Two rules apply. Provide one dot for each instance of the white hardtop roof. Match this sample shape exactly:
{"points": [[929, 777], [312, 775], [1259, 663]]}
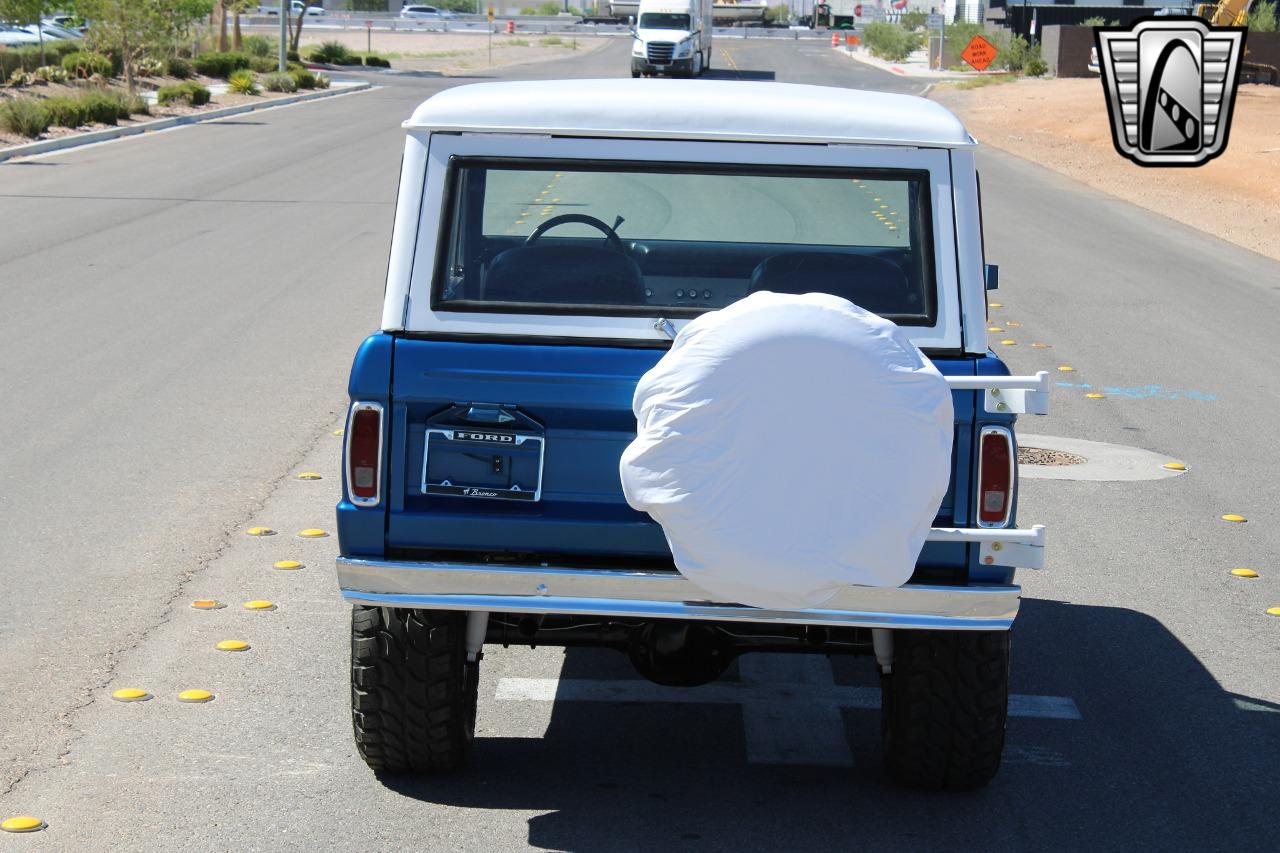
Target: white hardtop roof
{"points": [[693, 109]]}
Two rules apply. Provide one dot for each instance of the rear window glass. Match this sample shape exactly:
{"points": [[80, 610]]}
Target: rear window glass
{"points": [[638, 239]]}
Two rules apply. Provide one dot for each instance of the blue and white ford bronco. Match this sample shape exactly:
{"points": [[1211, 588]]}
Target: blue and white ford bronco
{"points": [[550, 241]]}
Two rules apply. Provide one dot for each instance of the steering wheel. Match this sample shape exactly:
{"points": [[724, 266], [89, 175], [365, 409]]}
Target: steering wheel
{"points": [[611, 237]]}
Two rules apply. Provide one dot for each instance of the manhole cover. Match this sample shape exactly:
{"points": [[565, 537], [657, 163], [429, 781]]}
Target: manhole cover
{"points": [[1040, 456]]}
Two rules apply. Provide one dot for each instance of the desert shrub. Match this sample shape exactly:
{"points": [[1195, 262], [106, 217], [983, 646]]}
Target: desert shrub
{"points": [[176, 66], [104, 107], [1263, 18], [1014, 57], [890, 41], [304, 78], [376, 61], [51, 74], [21, 78], [9, 62], [331, 53], [24, 116], [263, 64], [149, 67], [322, 81], [83, 65], [59, 49], [280, 83], [28, 58], [243, 82], [18, 59], [1034, 64], [65, 112], [190, 93], [913, 20], [138, 106], [259, 46], [293, 56], [222, 64]]}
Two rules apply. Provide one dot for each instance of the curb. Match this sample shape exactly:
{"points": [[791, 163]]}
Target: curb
{"points": [[94, 136]]}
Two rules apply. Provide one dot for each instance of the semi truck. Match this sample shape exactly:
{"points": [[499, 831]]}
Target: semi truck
{"points": [[671, 37]]}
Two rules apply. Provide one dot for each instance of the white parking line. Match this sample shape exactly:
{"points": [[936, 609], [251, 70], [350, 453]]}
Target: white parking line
{"points": [[791, 707]]}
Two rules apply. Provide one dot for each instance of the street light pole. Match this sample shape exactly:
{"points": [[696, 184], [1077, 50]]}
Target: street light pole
{"points": [[284, 36]]}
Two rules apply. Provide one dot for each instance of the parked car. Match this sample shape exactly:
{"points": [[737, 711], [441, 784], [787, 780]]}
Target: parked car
{"points": [[52, 31], [426, 13], [482, 500], [296, 7], [11, 36], [68, 22]]}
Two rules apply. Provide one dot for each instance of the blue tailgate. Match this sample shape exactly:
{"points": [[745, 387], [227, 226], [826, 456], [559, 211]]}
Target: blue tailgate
{"points": [[580, 398]]}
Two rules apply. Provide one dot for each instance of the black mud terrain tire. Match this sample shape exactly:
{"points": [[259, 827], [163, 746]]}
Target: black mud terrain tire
{"points": [[413, 693], [943, 708]]}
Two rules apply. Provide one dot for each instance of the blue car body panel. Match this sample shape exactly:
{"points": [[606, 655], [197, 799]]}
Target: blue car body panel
{"points": [[581, 396]]}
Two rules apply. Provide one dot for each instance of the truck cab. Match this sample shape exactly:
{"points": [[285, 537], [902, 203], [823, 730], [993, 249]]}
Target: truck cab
{"points": [[671, 37], [551, 240]]}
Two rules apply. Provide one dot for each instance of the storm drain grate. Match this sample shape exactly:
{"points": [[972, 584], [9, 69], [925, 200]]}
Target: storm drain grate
{"points": [[1040, 456]]}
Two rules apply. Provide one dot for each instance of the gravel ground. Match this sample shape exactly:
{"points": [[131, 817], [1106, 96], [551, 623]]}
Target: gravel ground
{"points": [[1062, 124], [48, 90]]}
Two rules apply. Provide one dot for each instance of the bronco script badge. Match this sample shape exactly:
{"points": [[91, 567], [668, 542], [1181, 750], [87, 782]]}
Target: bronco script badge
{"points": [[1170, 86]]}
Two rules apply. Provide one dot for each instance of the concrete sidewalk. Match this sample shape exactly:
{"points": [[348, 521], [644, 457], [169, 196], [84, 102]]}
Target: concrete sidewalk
{"points": [[915, 65]]}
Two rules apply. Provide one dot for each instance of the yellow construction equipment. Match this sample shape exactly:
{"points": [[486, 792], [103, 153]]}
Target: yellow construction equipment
{"points": [[1235, 13]]}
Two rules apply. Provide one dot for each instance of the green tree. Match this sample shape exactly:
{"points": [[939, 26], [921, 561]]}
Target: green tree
{"points": [[1263, 18], [133, 28], [25, 12], [913, 20]]}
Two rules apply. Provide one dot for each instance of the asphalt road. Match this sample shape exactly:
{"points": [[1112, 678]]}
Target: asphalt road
{"points": [[177, 315]]}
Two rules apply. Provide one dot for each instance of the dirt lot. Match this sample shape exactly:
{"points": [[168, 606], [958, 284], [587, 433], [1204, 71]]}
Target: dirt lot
{"points": [[457, 53], [1062, 124]]}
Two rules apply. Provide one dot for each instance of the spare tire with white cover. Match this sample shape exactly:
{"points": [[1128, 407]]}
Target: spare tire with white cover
{"points": [[791, 445]]}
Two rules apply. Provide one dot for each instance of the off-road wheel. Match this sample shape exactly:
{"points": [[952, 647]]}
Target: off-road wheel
{"points": [[635, 74], [943, 708], [413, 693]]}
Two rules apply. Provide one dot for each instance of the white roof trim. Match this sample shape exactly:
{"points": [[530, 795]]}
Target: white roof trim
{"points": [[729, 110]]}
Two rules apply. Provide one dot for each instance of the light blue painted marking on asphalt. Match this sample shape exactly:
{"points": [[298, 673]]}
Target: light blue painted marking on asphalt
{"points": [[1144, 392]]}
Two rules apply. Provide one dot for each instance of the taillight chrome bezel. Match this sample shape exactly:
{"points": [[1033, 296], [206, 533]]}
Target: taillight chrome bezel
{"points": [[1007, 435], [356, 408]]}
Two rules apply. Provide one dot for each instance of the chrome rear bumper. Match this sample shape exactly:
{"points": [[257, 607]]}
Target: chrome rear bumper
{"points": [[665, 595]]}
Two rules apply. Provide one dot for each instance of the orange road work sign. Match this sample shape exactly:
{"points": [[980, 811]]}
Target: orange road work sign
{"points": [[979, 53]]}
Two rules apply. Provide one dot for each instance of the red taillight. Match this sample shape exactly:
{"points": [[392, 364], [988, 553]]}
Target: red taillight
{"points": [[364, 453], [995, 477]]}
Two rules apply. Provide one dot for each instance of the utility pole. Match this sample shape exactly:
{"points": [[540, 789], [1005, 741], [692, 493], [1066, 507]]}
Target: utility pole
{"points": [[284, 36]]}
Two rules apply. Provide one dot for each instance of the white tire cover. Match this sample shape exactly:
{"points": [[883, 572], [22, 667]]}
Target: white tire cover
{"points": [[791, 445]]}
